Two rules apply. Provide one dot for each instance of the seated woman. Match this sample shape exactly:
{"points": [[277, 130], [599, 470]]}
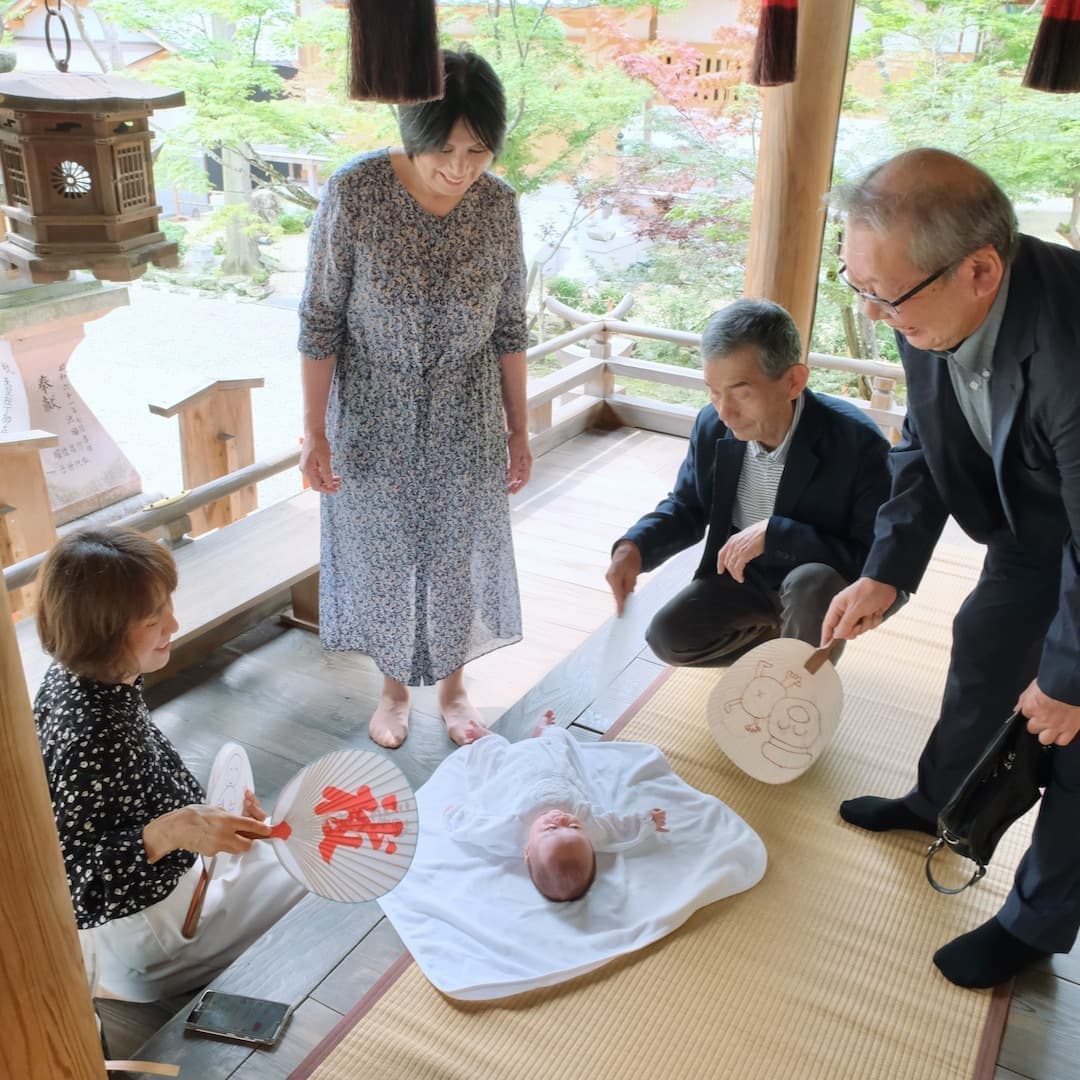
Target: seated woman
{"points": [[131, 817], [534, 798]]}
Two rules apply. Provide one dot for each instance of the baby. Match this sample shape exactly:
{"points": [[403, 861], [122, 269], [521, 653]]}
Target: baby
{"points": [[538, 791]]}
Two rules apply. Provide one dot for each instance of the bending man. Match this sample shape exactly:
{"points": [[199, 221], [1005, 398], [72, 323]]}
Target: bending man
{"points": [[989, 334], [785, 483]]}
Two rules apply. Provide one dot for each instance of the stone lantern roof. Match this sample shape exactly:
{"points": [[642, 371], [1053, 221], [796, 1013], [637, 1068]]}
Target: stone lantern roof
{"points": [[72, 93]]}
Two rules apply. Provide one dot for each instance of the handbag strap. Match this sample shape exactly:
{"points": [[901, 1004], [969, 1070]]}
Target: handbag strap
{"points": [[931, 851]]}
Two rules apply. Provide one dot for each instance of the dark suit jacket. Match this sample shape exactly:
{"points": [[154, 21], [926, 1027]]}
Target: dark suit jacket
{"points": [[1028, 493], [835, 478]]}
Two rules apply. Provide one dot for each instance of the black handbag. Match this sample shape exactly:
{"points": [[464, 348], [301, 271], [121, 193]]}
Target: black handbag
{"points": [[1003, 785]]}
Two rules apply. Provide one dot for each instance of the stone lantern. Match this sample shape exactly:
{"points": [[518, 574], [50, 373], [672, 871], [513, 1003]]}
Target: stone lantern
{"points": [[78, 176]]}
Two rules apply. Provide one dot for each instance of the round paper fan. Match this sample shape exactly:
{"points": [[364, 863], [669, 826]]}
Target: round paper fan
{"points": [[771, 714], [230, 776], [346, 826]]}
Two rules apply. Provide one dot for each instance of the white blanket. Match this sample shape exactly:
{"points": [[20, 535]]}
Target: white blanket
{"points": [[478, 928]]}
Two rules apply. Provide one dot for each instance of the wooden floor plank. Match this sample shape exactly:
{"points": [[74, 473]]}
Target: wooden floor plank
{"points": [[361, 968], [285, 964], [308, 1026], [126, 1025], [619, 696], [1065, 965], [1042, 1036]]}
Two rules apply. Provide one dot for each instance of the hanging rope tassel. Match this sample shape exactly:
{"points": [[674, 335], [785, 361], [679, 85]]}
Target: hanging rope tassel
{"points": [[774, 50], [394, 51], [1055, 57]]}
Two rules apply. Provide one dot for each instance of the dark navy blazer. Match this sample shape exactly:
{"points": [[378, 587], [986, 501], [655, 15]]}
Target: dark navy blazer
{"points": [[835, 478], [1028, 492]]}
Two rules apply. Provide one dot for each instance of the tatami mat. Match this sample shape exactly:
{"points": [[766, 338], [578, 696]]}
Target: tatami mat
{"points": [[821, 972]]}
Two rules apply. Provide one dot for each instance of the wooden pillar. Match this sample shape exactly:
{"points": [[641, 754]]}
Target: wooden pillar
{"points": [[216, 438], [26, 517], [883, 398], [602, 384], [798, 138], [46, 1014]]}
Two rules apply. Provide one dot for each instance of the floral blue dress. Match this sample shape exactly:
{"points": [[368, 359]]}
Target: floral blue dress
{"points": [[417, 556]]}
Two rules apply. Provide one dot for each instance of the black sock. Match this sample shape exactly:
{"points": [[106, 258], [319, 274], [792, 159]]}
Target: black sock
{"points": [[880, 815], [985, 956]]}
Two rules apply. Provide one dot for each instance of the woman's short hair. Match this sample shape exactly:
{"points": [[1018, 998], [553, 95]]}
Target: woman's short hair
{"points": [[471, 92], [94, 586], [760, 323], [949, 214]]}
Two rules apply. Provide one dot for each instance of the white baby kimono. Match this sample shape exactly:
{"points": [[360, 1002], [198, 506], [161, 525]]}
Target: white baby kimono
{"points": [[508, 784]]}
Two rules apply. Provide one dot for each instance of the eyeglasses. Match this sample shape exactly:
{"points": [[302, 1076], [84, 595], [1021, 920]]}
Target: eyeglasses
{"points": [[890, 307]]}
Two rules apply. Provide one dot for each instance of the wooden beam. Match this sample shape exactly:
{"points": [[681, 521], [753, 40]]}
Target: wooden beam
{"points": [[573, 420], [27, 527], [665, 374], [798, 138], [556, 383], [653, 415], [216, 439], [46, 1013]]}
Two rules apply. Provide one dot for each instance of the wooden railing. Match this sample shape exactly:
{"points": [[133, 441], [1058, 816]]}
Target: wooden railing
{"points": [[585, 392], [566, 402]]}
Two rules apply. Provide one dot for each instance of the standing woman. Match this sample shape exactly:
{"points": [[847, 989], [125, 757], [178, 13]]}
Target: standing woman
{"points": [[413, 365]]}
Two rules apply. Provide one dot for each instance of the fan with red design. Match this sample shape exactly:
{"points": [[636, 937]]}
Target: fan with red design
{"points": [[346, 825]]}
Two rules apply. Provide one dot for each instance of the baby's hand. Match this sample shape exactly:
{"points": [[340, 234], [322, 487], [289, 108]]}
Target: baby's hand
{"points": [[659, 819]]}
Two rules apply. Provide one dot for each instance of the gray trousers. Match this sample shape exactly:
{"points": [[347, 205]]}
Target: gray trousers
{"points": [[715, 618]]}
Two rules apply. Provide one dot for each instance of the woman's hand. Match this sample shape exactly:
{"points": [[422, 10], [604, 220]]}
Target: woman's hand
{"points": [[315, 463], [252, 807], [520, 461], [206, 830]]}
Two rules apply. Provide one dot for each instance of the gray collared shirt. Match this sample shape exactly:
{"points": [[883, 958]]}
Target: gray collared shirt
{"points": [[971, 367], [762, 470]]}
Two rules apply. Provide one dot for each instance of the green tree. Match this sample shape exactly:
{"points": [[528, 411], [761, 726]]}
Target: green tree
{"points": [[560, 101], [951, 77], [236, 98], [962, 91]]}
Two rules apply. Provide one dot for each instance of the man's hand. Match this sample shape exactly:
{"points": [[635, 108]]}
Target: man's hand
{"points": [[623, 572], [659, 819], [741, 548], [1055, 722], [856, 609]]}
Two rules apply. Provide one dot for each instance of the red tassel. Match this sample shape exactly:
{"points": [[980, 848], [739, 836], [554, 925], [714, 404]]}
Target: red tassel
{"points": [[394, 51], [777, 37], [1055, 57]]}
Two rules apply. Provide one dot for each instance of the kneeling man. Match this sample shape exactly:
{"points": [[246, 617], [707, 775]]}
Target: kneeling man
{"points": [[786, 483]]}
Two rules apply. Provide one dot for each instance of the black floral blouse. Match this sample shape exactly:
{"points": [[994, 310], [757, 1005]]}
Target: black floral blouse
{"points": [[110, 773]]}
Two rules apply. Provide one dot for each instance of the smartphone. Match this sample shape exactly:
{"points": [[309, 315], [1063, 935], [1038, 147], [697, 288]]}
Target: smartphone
{"points": [[233, 1016]]}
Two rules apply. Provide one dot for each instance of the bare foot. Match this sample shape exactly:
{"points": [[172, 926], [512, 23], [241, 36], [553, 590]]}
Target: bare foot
{"points": [[545, 721], [390, 723], [463, 721]]}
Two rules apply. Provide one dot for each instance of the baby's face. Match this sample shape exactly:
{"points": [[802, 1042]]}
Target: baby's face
{"points": [[556, 834], [552, 822]]}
